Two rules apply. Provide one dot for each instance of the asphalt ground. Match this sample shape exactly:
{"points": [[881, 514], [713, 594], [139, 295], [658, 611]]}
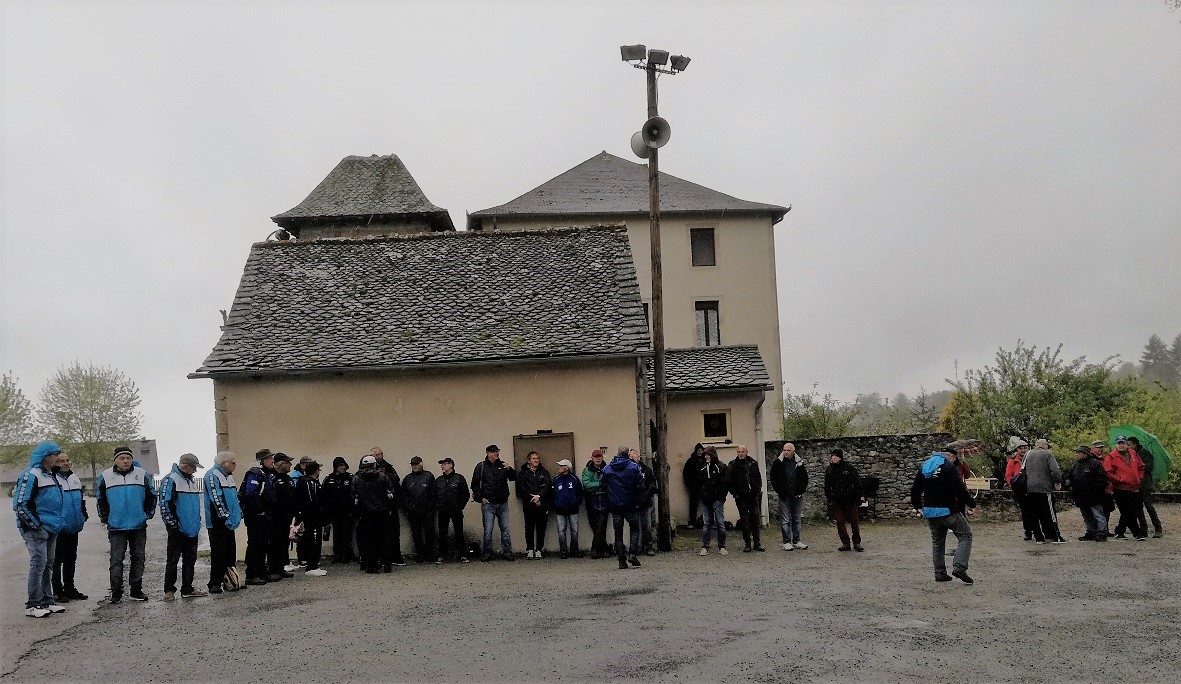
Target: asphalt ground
{"points": [[1080, 612]]}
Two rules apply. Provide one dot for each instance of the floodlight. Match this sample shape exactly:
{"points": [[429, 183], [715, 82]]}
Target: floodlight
{"points": [[679, 62], [631, 53], [658, 57]]}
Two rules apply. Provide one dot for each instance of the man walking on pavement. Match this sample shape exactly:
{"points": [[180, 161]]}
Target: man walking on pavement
{"points": [[940, 495], [180, 508], [624, 482]]}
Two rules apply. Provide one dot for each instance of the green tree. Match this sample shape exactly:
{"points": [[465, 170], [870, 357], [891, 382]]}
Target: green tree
{"points": [[923, 413], [89, 408], [16, 421], [810, 416], [1157, 363]]}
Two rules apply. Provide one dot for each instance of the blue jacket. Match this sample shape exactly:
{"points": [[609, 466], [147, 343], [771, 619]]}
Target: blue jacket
{"points": [[37, 498], [258, 493], [126, 501], [180, 502], [221, 499], [938, 488], [74, 507], [567, 494], [624, 482]]}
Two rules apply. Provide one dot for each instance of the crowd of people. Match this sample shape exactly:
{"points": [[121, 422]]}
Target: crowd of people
{"points": [[283, 503]]}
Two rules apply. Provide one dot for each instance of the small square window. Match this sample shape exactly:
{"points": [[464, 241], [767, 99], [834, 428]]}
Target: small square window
{"points": [[701, 240], [715, 425], [708, 332]]}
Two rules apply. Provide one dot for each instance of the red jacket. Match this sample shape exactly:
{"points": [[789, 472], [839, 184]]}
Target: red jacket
{"points": [[1012, 468], [1125, 476]]}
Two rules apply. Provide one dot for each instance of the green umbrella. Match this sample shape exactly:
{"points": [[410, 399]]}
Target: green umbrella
{"points": [[1161, 460]]}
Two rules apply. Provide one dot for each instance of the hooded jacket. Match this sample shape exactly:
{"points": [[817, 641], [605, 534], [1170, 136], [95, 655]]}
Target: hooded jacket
{"points": [[284, 497], [938, 488], [180, 503], [373, 492], [74, 515], [490, 481], [1126, 475], [788, 477], [126, 501], [712, 482], [451, 492], [38, 498], [624, 482], [258, 493], [746, 482], [535, 482], [842, 484], [336, 492], [692, 469], [418, 492], [1088, 481], [567, 494], [221, 499], [592, 486]]}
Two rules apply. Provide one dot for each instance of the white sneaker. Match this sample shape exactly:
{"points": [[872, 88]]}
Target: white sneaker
{"points": [[318, 572], [54, 608], [787, 546], [703, 552], [529, 553], [290, 567], [36, 612], [800, 545], [723, 551], [537, 554]]}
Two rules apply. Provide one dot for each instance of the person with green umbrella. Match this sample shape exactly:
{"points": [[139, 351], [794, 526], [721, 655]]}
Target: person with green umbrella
{"points": [[1146, 488]]}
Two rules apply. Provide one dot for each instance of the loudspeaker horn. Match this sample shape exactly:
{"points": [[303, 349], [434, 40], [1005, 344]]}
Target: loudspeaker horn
{"points": [[639, 147], [656, 132]]}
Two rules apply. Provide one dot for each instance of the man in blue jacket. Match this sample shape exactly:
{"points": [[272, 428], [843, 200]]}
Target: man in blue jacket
{"points": [[258, 505], [38, 501], [126, 501], [180, 507], [567, 499], [940, 495], [624, 482], [74, 516], [223, 514]]}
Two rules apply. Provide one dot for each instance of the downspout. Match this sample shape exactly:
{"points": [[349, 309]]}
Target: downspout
{"points": [[762, 456]]}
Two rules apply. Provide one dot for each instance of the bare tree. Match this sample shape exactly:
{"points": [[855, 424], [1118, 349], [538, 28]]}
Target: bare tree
{"points": [[16, 421], [89, 408]]}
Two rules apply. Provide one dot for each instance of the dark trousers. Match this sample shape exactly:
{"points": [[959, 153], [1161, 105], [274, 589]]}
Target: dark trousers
{"points": [[1131, 513], [123, 541], [453, 519], [598, 524], [647, 533], [748, 510], [847, 513], [184, 550], [278, 545], [342, 538], [257, 542], [311, 544], [694, 519], [422, 529], [633, 525], [64, 560], [372, 539], [1027, 520], [536, 520], [1145, 494], [223, 552], [1045, 518], [391, 550]]}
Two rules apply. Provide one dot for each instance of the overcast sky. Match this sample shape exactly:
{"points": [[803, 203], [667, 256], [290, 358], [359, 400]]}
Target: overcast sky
{"points": [[962, 174]]}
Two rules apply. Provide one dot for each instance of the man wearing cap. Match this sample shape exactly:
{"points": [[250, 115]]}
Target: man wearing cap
{"points": [[1126, 470], [258, 505], [490, 488], [596, 503], [535, 490], [37, 500], [1043, 477], [1017, 449], [337, 495], [567, 499], [125, 503], [374, 495], [391, 551], [451, 495], [418, 499], [309, 516], [842, 488], [180, 508], [1088, 486], [940, 495], [279, 549], [223, 514]]}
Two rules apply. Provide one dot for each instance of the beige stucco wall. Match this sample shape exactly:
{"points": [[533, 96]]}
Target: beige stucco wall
{"points": [[743, 282], [431, 414]]}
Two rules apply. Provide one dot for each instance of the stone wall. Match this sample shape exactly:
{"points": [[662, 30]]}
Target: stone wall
{"points": [[894, 459]]}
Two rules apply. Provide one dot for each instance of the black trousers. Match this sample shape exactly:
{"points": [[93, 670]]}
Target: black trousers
{"points": [[311, 544], [598, 525], [748, 510], [694, 519], [422, 530], [223, 552], [1027, 520], [1131, 513], [453, 519], [181, 549], [258, 541], [536, 520], [1045, 519], [632, 518], [64, 560], [279, 545], [342, 538], [391, 551], [372, 531]]}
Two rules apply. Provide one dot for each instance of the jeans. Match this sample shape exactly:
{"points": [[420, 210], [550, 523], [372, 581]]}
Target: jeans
{"points": [[41, 546], [647, 534], [536, 520], [712, 516], [223, 552], [454, 519], [847, 513], [1094, 519], [633, 526], [182, 549], [121, 541], [497, 513], [422, 530], [568, 526], [257, 541], [65, 558], [963, 549], [748, 510], [791, 515]]}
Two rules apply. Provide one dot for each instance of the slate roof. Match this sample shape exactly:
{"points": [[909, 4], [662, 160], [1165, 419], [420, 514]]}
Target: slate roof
{"points": [[432, 298], [610, 185], [361, 187], [704, 369]]}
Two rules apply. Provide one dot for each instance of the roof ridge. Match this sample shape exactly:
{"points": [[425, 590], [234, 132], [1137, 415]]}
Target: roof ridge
{"points": [[448, 235]]}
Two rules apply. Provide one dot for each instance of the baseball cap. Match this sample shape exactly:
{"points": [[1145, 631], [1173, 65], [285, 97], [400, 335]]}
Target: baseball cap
{"points": [[596, 452], [282, 457], [189, 460], [1098, 444], [490, 448], [416, 460], [368, 459], [447, 460], [1121, 438], [564, 462]]}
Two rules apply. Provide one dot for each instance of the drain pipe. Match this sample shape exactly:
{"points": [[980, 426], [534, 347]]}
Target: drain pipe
{"points": [[762, 455]]}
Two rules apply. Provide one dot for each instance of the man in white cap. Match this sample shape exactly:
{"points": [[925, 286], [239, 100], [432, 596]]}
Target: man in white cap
{"points": [[567, 499]]}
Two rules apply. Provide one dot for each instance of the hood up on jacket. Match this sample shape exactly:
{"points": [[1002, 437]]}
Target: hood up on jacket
{"points": [[930, 468], [41, 451]]}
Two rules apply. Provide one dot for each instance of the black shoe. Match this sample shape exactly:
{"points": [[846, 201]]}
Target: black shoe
{"points": [[942, 578], [76, 595], [1086, 537], [371, 571], [859, 548], [400, 562], [274, 577], [635, 562], [508, 556], [287, 575], [562, 554], [1158, 534], [137, 595], [1100, 538], [622, 563], [844, 547], [255, 581], [116, 596], [757, 548], [387, 568], [60, 599], [1028, 536], [215, 590], [486, 557], [746, 549], [962, 575]]}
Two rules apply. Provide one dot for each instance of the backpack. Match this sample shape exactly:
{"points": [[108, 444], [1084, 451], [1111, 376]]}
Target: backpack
{"points": [[233, 579], [1020, 484]]}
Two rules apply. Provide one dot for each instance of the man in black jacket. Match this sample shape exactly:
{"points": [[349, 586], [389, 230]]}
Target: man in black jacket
{"points": [[789, 479], [535, 489], [689, 475], [391, 552], [258, 504], [374, 500], [746, 484], [712, 485], [1088, 485], [647, 532], [939, 495], [310, 516], [278, 556], [842, 488], [451, 495], [490, 489], [337, 495], [418, 498]]}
